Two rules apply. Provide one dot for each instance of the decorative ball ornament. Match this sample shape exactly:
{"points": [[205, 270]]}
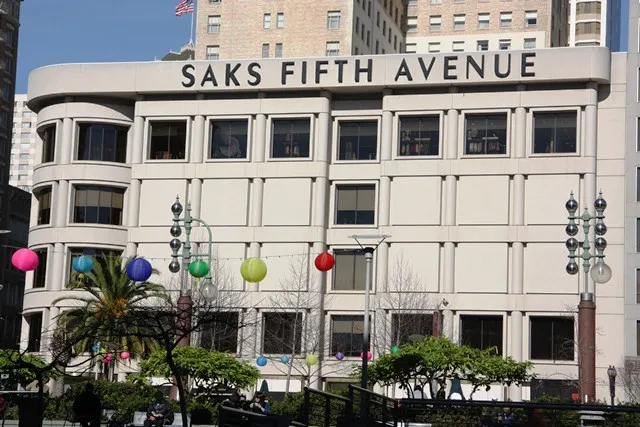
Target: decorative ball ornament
{"points": [[124, 355], [105, 360], [82, 264], [139, 270], [261, 361], [253, 270], [95, 348], [395, 349], [25, 260], [339, 355], [369, 355], [198, 268], [311, 359], [284, 359], [325, 261]]}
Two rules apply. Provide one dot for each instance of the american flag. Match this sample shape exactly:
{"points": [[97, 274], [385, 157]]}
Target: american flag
{"points": [[185, 6]]}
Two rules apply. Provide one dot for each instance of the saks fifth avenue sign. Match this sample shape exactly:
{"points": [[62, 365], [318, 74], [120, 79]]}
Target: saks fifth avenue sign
{"points": [[391, 70]]}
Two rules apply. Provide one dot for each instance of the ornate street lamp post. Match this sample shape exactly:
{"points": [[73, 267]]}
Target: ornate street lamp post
{"points": [[612, 373], [207, 289], [600, 273]]}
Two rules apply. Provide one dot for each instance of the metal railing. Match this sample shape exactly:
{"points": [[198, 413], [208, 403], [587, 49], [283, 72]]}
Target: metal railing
{"points": [[381, 410], [324, 409]]}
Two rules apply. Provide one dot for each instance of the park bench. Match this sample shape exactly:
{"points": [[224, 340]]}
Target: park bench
{"points": [[139, 417]]}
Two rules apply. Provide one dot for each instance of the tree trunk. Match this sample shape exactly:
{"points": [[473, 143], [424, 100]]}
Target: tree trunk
{"points": [[40, 398], [293, 353], [177, 375]]}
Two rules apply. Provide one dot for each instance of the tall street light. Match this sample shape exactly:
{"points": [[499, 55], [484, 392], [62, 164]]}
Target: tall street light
{"points": [[368, 257], [185, 303], [600, 273], [612, 373]]}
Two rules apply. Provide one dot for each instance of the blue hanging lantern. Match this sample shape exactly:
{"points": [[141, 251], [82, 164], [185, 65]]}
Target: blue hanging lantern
{"points": [[139, 270], [261, 361], [284, 359], [82, 264], [95, 348]]}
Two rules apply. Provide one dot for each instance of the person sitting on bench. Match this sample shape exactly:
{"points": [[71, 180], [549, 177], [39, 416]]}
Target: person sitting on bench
{"points": [[159, 414]]}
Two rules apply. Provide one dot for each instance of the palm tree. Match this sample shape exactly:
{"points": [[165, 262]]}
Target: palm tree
{"points": [[106, 310]]}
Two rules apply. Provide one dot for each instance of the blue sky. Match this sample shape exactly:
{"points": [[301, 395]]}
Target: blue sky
{"points": [[59, 31]]}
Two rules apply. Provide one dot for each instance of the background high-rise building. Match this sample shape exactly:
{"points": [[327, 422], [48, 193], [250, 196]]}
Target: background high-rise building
{"points": [[453, 25], [23, 144], [590, 23], [294, 28]]}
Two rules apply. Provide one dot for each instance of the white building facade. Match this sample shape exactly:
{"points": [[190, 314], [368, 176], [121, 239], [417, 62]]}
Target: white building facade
{"points": [[23, 144], [465, 160]]}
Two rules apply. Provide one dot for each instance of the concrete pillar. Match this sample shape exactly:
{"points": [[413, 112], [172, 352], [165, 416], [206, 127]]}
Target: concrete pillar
{"points": [[382, 262], [386, 131], [254, 252], [50, 273], [134, 203], [449, 268], [450, 197], [66, 149], [131, 250], [520, 146], [57, 262], [447, 324], [320, 193], [452, 134], [517, 268], [260, 140], [515, 349], [323, 143], [137, 148], [198, 145], [257, 194], [195, 199], [385, 201], [62, 203], [59, 142]]}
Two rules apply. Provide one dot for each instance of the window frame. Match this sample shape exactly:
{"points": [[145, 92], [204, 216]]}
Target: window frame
{"points": [[508, 22], [337, 120], [209, 120], [147, 138], [214, 25], [36, 194], [397, 129], [486, 314], [73, 193], [556, 315], [116, 124], [207, 54], [230, 312], [46, 268], [334, 202], [349, 355], [299, 345], [40, 130], [484, 21], [30, 338], [276, 117], [398, 313], [462, 127], [331, 15], [338, 250], [73, 250], [531, 133]]}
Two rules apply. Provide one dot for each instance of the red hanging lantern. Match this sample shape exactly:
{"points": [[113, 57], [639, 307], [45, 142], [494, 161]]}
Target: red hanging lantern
{"points": [[325, 261]]}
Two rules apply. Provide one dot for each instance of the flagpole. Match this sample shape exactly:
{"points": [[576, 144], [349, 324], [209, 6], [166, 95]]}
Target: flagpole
{"points": [[191, 30]]}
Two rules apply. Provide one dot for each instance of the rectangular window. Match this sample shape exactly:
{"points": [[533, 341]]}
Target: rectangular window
{"points": [[40, 273], [24, 155], [98, 205], [48, 137], [557, 389], [419, 136], [434, 47], [357, 25], [99, 255], [483, 21], [638, 338], [291, 138], [214, 24], [435, 23], [102, 142], [278, 53], [458, 46], [504, 44], [333, 48], [531, 18], [358, 140], [554, 132], [35, 332], [333, 20], [412, 24], [25, 145], [410, 48], [347, 335], [458, 22], [43, 195], [267, 21], [481, 332], [229, 139], [26, 124], [220, 332], [552, 338], [638, 235], [638, 133], [408, 327], [280, 20], [265, 50], [355, 204], [26, 135], [483, 45], [384, 27], [505, 19], [278, 333], [486, 134], [213, 53], [529, 43], [168, 140], [349, 271], [638, 286]]}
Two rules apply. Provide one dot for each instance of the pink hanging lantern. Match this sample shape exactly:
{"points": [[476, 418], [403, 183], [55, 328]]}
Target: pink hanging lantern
{"points": [[124, 355], [369, 355], [25, 260]]}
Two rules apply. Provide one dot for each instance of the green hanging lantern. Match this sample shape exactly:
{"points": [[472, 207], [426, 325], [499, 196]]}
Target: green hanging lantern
{"points": [[198, 268], [253, 270], [395, 349]]}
